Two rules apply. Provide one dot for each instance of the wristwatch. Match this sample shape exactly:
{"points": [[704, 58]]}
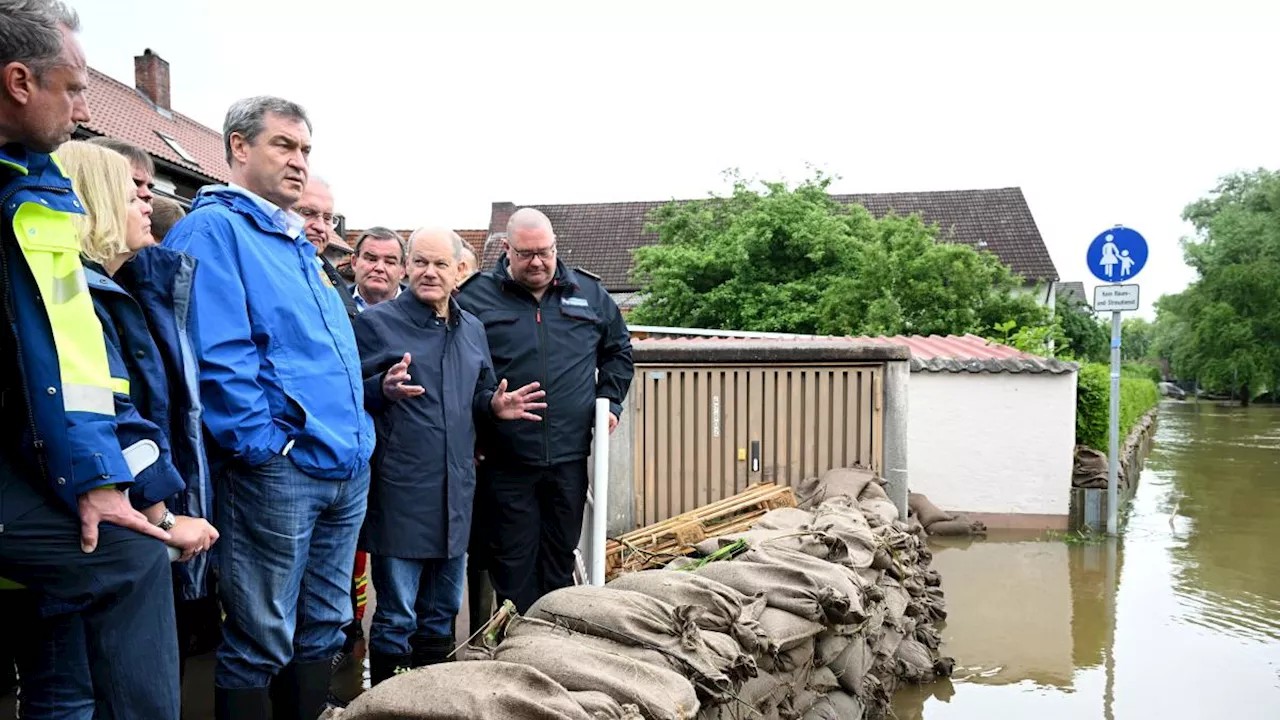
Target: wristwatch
{"points": [[167, 522]]}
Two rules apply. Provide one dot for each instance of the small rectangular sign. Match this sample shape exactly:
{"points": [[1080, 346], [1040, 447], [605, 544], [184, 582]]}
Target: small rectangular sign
{"points": [[1115, 298]]}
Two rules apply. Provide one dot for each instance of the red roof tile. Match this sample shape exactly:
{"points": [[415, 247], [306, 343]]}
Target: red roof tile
{"points": [[119, 111], [475, 237]]}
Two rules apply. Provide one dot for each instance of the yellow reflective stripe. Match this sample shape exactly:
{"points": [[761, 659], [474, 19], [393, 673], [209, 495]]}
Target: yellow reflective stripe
{"points": [[120, 385], [66, 288], [88, 398], [51, 246]]}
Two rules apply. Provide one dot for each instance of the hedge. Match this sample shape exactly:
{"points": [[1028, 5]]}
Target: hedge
{"points": [[1138, 394]]}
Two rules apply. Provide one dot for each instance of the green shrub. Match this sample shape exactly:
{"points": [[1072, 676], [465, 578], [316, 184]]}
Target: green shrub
{"points": [[1141, 370], [1138, 394]]}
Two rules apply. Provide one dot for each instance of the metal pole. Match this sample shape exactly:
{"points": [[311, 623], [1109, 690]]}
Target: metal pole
{"points": [[600, 492], [1113, 457]]}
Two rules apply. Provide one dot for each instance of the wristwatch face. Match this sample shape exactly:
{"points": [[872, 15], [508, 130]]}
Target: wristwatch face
{"points": [[167, 522]]}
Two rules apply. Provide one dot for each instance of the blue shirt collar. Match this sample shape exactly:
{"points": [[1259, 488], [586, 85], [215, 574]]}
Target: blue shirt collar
{"points": [[286, 221], [362, 304]]}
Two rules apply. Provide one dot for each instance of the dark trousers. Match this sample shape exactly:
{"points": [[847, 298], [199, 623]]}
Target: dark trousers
{"points": [[122, 592], [535, 523]]}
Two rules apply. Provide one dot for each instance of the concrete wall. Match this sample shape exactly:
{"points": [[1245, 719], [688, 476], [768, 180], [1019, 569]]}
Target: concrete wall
{"points": [[994, 443]]}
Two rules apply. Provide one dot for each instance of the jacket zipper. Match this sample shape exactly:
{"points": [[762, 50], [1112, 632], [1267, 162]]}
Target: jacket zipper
{"points": [[36, 441], [542, 352]]}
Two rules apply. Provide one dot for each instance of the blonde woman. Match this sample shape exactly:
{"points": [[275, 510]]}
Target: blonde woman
{"points": [[141, 295]]}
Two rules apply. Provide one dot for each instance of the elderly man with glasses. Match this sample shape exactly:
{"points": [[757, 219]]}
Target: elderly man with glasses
{"points": [[315, 207], [556, 326]]}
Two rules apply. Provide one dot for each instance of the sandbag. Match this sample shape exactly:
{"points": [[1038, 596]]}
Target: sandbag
{"points": [[481, 689], [848, 482], [798, 657], [836, 706], [841, 520], [786, 518], [659, 692], [829, 645], [602, 707], [876, 505], [761, 694], [632, 618], [914, 663], [925, 510], [728, 657], [723, 608], [808, 542], [785, 629], [852, 667], [822, 680], [959, 527], [784, 588], [524, 627], [844, 609]]}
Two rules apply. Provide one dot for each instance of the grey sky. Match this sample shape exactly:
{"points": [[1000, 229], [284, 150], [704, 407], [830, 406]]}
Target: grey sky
{"points": [[425, 112]]}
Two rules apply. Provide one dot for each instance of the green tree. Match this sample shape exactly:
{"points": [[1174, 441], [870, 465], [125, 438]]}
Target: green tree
{"points": [[789, 259], [1085, 337], [1137, 337], [1224, 329]]}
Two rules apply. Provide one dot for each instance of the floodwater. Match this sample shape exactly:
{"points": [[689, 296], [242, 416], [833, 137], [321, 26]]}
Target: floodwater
{"points": [[1194, 583]]}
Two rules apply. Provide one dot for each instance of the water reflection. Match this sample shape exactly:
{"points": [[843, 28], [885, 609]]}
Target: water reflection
{"points": [[1188, 627]]}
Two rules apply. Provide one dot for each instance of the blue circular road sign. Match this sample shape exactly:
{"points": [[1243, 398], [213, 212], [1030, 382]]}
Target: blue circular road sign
{"points": [[1117, 255]]}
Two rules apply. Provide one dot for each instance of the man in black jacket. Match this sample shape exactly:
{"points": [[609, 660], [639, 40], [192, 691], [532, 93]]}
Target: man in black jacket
{"points": [[557, 326], [316, 208], [419, 517]]}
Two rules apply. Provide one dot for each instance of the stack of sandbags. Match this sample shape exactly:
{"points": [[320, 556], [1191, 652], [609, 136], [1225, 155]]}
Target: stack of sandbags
{"points": [[826, 613], [941, 522]]}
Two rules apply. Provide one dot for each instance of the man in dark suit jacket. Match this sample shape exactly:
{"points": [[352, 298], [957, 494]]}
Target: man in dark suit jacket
{"points": [[316, 208], [419, 518]]}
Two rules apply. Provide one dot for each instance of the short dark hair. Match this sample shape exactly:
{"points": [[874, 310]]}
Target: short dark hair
{"points": [[136, 156], [165, 213], [377, 232]]}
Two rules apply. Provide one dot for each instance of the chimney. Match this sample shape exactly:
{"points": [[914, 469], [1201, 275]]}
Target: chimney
{"points": [[151, 77]]}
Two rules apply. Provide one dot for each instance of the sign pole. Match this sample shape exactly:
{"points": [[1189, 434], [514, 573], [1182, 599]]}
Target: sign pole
{"points": [[1113, 457]]}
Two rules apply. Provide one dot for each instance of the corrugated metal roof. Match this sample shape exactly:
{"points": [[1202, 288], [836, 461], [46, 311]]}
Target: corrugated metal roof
{"points": [[932, 353]]}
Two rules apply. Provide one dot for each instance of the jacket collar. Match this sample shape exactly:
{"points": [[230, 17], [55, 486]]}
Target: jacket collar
{"points": [[422, 314], [564, 276], [268, 217], [36, 168], [97, 278]]}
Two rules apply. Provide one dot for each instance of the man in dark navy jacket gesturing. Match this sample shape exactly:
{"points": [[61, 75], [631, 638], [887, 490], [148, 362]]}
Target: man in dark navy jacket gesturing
{"points": [[428, 380], [557, 326]]}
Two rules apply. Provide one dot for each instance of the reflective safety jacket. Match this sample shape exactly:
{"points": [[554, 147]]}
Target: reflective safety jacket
{"points": [[58, 408]]}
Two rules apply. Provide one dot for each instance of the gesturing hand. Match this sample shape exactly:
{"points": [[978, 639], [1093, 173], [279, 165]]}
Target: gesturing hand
{"points": [[110, 505], [393, 383], [517, 405]]}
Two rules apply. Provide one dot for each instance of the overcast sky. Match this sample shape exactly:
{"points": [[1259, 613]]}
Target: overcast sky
{"points": [[425, 112]]}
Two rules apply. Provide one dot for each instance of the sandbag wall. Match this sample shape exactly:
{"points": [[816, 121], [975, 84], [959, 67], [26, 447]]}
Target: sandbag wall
{"points": [[827, 610]]}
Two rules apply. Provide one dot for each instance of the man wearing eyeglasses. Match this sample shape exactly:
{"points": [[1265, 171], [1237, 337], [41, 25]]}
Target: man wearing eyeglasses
{"points": [[316, 209], [557, 326]]}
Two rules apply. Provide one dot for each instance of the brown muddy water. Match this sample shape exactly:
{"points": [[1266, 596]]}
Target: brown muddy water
{"points": [[1194, 583]]}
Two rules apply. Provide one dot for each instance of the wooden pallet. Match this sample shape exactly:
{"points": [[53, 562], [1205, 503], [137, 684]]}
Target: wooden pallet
{"points": [[655, 544]]}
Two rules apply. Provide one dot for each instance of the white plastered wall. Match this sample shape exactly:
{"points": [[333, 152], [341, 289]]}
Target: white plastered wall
{"points": [[992, 442]]}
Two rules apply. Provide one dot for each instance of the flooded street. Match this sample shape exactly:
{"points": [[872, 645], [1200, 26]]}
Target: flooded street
{"points": [[1195, 630]]}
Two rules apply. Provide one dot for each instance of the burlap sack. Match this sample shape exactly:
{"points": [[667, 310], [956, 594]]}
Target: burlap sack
{"points": [[822, 680], [723, 608], [914, 663], [830, 644], [757, 700], [784, 588], [729, 658], [846, 609], [659, 692], [787, 518], [843, 521], [836, 706], [632, 618], [925, 511], [481, 689], [798, 657], [809, 542], [848, 482], [852, 667], [876, 505], [602, 707], [524, 627], [785, 629]]}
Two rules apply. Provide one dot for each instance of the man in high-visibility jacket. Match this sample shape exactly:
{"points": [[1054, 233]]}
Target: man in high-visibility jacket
{"points": [[67, 528]]}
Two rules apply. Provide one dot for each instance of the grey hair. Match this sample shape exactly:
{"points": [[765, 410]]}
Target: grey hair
{"points": [[31, 32], [377, 232], [246, 118], [454, 239], [134, 154]]}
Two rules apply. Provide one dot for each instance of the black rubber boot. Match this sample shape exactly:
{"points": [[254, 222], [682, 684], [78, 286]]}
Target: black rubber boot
{"points": [[383, 666], [312, 692], [479, 597], [431, 649], [241, 704], [284, 693]]}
